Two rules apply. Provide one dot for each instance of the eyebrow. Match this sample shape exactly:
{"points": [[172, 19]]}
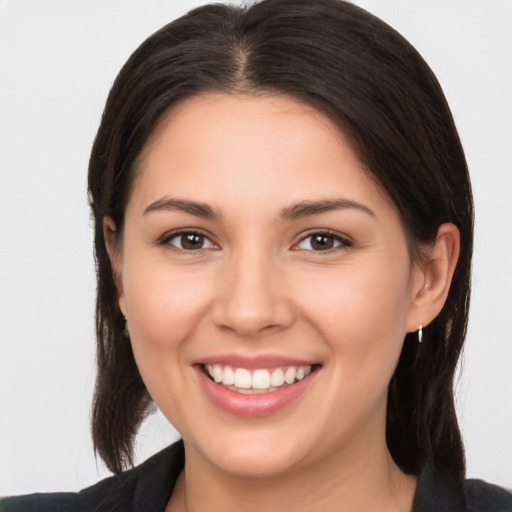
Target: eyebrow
{"points": [[295, 211], [197, 208], [306, 208]]}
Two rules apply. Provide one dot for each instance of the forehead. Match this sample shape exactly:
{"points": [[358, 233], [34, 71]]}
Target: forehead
{"points": [[252, 149], [234, 121]]}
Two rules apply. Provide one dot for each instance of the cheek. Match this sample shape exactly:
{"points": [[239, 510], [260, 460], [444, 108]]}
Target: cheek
{"points": [[164, 307], [164, 311], [361, 312]]}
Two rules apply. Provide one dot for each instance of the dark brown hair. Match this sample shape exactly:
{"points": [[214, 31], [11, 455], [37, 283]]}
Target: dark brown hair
{"points": [[366, 77]]}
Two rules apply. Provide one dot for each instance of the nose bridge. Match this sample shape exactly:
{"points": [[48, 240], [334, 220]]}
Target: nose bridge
{"points": [[252, 297]]}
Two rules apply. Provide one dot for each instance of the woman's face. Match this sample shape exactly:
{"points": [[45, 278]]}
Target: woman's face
{"points": [[256, 249]]}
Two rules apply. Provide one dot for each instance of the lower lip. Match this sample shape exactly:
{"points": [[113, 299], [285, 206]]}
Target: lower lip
{"points": [[252, 406]]}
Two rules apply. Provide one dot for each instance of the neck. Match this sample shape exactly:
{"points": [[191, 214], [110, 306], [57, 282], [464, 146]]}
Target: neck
{"points": [[362, 478]]}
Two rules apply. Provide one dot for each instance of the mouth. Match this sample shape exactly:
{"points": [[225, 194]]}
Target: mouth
{"points": [[257, 381], [254, 389]]}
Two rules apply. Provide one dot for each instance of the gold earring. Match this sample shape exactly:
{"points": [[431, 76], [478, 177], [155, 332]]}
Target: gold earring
{"points": [[420, 333]]}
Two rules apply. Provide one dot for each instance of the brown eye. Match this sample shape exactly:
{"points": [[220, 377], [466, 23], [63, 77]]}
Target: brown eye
{"points": [[322, 242], [190, 241]]}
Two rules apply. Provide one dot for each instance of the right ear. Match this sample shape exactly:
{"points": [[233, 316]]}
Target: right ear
{"points": [[110, 236]]}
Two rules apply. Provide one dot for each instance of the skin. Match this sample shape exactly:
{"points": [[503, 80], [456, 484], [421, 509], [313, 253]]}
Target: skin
{"points": [[258, 287]]}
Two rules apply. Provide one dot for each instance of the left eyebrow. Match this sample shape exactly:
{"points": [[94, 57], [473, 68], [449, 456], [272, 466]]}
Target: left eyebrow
{"points": [[306, 208]]}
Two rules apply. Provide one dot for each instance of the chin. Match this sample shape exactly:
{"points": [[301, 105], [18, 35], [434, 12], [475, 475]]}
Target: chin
{"points": [[257, 462], [257, 455]]}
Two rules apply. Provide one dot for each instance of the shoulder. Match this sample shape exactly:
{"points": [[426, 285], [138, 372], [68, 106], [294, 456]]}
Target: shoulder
{"points": [[146, 487], [438, 492], [481, 496]]}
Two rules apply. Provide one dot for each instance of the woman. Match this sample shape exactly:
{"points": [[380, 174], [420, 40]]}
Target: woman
{"points": [[283, 237]]}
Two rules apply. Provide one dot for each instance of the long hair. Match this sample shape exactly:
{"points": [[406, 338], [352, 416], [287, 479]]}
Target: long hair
{"points": [[373, 84]]}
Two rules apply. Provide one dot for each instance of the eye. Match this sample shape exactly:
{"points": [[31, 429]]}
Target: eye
{"points": [[322, 241], [188, 241]]}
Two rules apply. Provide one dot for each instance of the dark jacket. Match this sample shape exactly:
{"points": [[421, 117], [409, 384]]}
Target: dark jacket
{"points": [[148, 487]]}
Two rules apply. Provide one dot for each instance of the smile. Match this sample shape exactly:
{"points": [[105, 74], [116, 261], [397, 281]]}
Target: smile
{"points": [[256, 381], [251, 389]]}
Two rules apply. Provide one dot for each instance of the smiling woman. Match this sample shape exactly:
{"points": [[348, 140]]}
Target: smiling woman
{"points": [[272, 284], [283, 235]]}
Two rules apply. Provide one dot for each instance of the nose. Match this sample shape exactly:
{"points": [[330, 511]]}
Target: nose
{"points": [[251, 296]]}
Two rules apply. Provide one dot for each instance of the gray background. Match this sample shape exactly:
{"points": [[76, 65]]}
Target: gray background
{"points": [[58, 59]]}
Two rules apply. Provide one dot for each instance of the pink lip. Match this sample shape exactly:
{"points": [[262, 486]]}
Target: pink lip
{"points": [[252, 406]]}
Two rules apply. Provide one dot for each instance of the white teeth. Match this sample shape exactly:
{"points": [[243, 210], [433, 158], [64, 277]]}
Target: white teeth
{"points": [[260, 379], [289, 376], [242, 378], [217, 373], [277, 378], [229, 376]]}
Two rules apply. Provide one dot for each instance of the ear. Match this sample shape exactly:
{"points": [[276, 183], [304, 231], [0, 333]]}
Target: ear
{"points": [[114, 254], [435, 277]]}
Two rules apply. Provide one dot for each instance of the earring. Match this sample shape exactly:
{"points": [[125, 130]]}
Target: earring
{"points": [[420, 333], [125, 330]]}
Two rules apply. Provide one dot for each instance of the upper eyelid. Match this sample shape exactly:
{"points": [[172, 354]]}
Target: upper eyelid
{"points": [[325, 232], [181, 231]]}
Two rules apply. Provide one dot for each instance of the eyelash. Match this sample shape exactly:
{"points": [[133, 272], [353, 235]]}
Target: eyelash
{"points": [[343, 243]]}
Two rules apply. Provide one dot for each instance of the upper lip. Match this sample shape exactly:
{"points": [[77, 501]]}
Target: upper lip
{"points": [[253, 362]]}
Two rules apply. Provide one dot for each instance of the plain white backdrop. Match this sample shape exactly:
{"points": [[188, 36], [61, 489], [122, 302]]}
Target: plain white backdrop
{"points": [[58, 59]]}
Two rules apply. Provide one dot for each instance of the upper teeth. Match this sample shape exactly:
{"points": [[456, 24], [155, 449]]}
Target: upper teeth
{"points": [[262, 378]]}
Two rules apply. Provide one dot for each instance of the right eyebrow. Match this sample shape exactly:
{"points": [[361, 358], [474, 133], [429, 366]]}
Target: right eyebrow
{"points": [[197, 208]]}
